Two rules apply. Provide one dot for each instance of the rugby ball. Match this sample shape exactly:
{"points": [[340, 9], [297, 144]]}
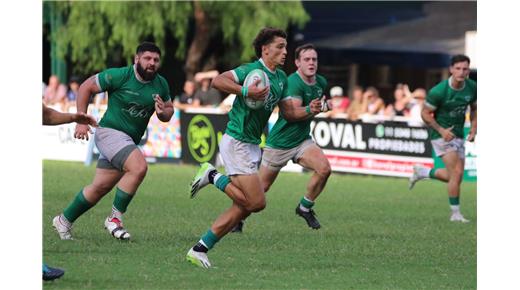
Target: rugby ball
{"points": [[253, 76]]}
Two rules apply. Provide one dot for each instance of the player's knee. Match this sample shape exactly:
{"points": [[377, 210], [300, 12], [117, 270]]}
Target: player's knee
{"points": [[257, 205], [139, 171], [456, 176], [324, 171], [100, 189]]}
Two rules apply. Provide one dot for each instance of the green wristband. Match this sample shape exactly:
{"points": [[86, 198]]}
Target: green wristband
{"points": [[244, 91], [308, 109]]}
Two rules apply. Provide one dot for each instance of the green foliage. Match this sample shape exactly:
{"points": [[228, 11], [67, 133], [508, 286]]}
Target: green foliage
{"points": [[242, 20], [94, 32], [375, 235]]}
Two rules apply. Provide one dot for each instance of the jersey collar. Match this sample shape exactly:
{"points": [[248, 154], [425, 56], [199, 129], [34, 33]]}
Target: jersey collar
{"points": [[263, 63], [449, 84], [303, 79]]}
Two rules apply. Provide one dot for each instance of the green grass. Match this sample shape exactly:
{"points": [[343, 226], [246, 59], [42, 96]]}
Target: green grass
{"points": [[376, 235]]}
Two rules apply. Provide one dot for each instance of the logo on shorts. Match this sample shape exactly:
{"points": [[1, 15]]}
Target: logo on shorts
{"points": [[201, 138]]}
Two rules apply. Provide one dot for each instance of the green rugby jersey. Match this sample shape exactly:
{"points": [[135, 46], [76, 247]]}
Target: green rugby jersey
{"points": [[450, 105], [246, 124], [130, 101], [285, 134]]}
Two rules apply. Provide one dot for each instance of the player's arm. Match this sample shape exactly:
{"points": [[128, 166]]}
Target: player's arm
{"points": [[88, 88], [429, 119], [53, 117], [292, 109], [225, 82], [473, 119]]}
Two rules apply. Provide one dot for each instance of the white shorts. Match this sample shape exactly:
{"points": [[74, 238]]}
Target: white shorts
{"points": [[276, 159], [239, 158], [114, 147], [442, 147]]}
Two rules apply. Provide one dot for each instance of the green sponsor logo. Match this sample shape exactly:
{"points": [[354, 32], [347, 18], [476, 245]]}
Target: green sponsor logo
{"points": [[380, 131], [201, 138]]}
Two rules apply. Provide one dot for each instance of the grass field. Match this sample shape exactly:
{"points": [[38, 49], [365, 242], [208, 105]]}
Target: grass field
{"points": [[375, 235]]}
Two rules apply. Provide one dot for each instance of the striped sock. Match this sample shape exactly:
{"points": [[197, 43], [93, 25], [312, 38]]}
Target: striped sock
{"points": [[221, 181], [122, 200], [306, 204], [454, 203], [207, 241]]}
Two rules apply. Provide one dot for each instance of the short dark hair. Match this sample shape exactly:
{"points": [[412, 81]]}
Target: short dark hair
{"points": [[459, 58], [301, 48], [147, 46], [266, 36]]}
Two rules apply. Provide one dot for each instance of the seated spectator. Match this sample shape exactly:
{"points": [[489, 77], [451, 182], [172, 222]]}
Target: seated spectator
{"points": [[186, 99], [376, 105], [339, 102], [72, 94], [402, 97], [416, 104], [55, 93], [358, 105], [206, 94]]}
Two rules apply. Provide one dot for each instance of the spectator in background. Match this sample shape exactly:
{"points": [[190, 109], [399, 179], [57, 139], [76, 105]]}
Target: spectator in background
{"points": [[416, 104], [72, 94], [186, 99], [339, 102], [402, 98], [358, 106], [55, 93], [376, 105], [207, 95]]}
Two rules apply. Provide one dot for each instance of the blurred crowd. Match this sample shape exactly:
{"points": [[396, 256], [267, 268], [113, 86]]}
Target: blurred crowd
{"points": [[361, 102], [358, 104], [62, 97]]}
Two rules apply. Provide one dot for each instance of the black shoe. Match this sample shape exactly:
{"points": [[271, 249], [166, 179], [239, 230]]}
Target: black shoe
{"points": [[309, 217], [238, 227], [50, 273]]}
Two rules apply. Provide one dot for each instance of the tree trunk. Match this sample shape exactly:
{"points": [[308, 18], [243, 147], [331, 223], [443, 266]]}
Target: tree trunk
{"points": [[200, 41]]}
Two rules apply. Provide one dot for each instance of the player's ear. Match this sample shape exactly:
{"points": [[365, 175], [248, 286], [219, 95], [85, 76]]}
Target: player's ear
{"points": [[265, 48], [136, 58]]}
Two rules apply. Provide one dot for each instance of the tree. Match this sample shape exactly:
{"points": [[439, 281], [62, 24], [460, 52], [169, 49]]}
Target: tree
{"points": [[96, 33]]}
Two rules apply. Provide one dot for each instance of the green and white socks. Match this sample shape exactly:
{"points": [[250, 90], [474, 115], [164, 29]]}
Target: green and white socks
{"points": [[121, 202], [219, 180], [80, 205], [455, 204], [206, 242], [425, 172], [306, 204]]}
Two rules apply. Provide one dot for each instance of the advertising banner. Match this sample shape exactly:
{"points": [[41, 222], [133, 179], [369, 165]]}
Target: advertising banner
{"points": [[58, 143], [388, 148], [201, 134]]}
